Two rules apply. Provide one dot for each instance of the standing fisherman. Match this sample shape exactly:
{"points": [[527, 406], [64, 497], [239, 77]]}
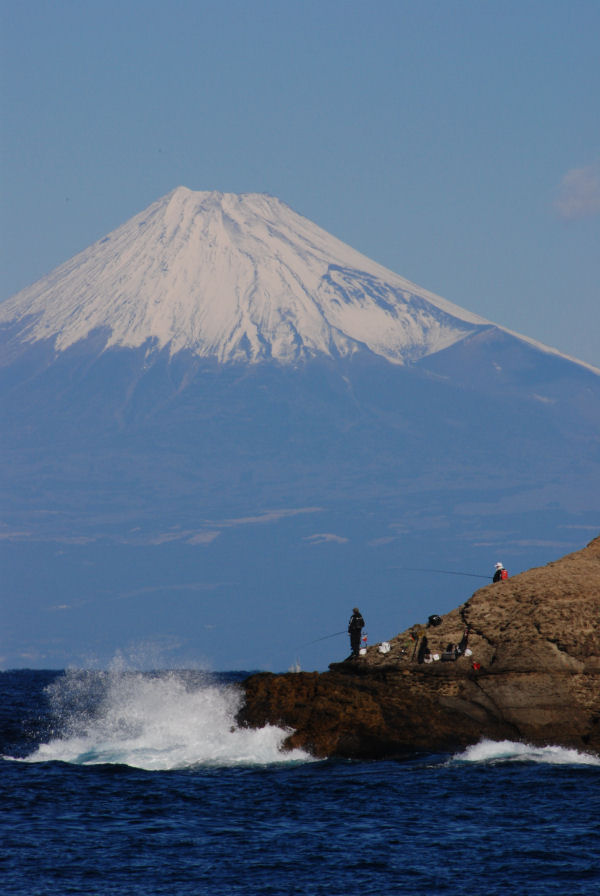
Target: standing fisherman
{"points": [[355, 627]]}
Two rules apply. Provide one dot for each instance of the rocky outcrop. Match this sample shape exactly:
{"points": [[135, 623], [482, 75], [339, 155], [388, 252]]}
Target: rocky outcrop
{"points": [[532, 674]]}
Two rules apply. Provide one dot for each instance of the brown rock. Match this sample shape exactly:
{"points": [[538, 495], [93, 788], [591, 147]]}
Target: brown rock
{"points": [[536, 639]]}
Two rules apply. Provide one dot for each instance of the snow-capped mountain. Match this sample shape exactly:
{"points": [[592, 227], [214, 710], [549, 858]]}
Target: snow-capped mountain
{"points": [[393, 430], [235, 277]]}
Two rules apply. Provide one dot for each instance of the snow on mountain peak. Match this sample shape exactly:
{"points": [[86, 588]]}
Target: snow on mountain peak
{"points": [[235, 277]]}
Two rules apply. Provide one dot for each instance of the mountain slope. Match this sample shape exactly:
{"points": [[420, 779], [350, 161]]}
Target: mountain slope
{"points": [[234, 278]]}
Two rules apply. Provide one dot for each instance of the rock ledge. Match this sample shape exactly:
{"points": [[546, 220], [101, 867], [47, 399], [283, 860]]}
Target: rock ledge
{"points": [[533, 675]]}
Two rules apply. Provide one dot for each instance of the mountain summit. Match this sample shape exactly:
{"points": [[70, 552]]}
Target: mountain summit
{"points": [[235, 277]]}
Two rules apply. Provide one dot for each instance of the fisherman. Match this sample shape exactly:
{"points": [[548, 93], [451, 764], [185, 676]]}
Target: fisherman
{"points": [[500, 573], [424, 654], [462, 646], [355, 627]]}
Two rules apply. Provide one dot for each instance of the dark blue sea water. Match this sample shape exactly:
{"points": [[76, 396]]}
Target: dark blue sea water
{"points": [[128, 783]]}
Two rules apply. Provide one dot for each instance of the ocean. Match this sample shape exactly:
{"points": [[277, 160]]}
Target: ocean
{"points": [[124, 782]]}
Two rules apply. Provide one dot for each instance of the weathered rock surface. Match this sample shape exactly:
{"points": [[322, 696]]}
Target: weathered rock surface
{"points": [[534, 675]]}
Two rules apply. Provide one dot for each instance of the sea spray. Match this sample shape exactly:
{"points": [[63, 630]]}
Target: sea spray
{"points": [[154, 721], [495, 752]]}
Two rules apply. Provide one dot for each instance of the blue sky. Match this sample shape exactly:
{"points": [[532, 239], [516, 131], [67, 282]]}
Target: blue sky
{"points": [[457, 143]]}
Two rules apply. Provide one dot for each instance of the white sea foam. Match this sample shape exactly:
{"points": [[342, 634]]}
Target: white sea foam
{"points": [[161, 721], [489, 751]]}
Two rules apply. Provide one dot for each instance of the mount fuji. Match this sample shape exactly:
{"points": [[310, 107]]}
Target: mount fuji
{"points": [[235, 278], [223, 427]]}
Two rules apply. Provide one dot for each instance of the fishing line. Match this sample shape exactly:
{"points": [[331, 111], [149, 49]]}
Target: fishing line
{"points": [[448, 572], [324, 638]]}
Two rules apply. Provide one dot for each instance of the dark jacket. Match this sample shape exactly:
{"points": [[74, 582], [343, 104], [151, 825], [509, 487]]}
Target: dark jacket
{"points": [[357, 623]]}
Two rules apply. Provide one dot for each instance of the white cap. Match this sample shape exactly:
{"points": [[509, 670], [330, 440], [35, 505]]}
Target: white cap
{"points": [[498, 566]]}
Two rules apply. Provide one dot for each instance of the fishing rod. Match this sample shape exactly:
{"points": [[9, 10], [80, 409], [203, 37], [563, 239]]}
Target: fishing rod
{"points": [[324, 638], [448, 572]]}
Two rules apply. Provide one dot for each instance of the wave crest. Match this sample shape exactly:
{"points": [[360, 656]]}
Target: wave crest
{"points": [[154, 721], [489, 751]]}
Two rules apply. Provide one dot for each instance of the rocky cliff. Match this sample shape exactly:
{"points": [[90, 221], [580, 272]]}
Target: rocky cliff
{"points": [[530, 671]]}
